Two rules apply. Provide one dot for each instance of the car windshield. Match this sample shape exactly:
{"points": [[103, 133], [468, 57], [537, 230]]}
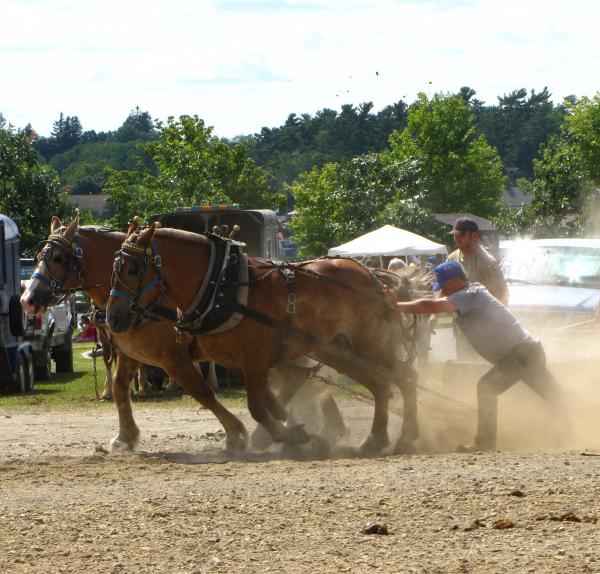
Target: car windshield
{"points": [[553, 265]]}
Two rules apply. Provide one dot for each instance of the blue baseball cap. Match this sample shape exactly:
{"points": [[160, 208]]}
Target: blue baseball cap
{"points": [[446, 271]]}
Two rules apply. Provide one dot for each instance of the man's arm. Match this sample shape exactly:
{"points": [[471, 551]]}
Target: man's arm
{"points": [[426, 306]]}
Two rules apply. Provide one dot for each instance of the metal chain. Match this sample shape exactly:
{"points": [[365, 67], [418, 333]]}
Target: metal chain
{"points": [[96, 347], [328, 380]]}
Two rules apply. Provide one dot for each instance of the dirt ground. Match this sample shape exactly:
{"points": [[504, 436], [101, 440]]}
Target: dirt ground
{"points": [[181, 505]]}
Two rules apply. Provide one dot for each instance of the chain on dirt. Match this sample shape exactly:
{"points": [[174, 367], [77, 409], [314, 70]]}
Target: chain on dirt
{"points": [[328, 380]]}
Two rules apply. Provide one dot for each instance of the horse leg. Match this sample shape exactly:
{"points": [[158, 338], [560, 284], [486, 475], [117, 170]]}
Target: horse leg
{"points": [[191, 380], [143, 382], [107, 395], [348, 364], [334, 425], [211, 378], [267, 411], [108, 358], [291, 378], [410, 425], [378, 437], [129, 433]]}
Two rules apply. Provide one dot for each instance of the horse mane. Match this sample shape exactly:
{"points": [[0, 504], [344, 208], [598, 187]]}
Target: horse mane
{"points": [[409, 283]]}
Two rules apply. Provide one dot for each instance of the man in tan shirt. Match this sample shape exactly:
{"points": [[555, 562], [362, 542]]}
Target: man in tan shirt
{"points": [[479, 265]]}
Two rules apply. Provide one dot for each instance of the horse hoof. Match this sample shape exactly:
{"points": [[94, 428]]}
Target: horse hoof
{"points": [[320, 446], [261, 439], [236, 443], [297, 435], [118, 445], [402, 447], [373, 446]]}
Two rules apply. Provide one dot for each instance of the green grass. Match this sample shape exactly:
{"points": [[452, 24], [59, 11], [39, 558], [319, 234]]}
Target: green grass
{"points": [[77, 390]]}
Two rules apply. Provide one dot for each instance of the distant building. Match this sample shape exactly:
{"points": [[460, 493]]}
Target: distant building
{"points": [[96, 204], [515, 197]]}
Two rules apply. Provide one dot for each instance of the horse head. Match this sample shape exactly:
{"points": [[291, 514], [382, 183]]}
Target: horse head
{"points": [[58, 270], [136, 279]]}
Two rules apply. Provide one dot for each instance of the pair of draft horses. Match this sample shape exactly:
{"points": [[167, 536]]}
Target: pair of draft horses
{"points": [[332, 310]]}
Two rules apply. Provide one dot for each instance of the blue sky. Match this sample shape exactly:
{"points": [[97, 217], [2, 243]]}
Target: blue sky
{"points": [[244, 64]]}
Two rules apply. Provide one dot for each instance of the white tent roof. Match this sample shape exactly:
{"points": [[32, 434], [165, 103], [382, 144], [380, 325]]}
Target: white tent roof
{"points": [[388, 240]]}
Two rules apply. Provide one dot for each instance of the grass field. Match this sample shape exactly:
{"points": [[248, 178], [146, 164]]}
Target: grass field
{"points": [[80, 390]]}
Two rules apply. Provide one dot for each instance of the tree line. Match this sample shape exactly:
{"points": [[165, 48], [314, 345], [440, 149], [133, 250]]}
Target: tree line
{"points": [[344, 172]]}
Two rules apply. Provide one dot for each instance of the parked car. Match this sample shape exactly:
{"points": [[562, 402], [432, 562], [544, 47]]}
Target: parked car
{"points": [[554, 290], [50, 334]]}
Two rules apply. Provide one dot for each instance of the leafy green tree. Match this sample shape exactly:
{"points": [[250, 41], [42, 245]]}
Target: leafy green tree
{"points": [[137, 126], [66, 133], [341, 201], [29, 191], [582, 127], [519, 125], [82, 169], [567, 177], [459, 170], [186, 166]]}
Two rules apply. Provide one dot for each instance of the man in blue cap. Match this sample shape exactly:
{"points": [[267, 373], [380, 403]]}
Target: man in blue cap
{"points": [[496, 335]]}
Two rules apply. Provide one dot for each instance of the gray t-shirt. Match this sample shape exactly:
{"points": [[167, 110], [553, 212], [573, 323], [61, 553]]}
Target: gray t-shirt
{"points": [[487, 324]]}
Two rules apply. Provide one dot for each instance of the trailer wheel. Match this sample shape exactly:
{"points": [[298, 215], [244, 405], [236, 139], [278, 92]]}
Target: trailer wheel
{"points": [[15, 317], [63, 356], [43, 372], [20, 385], [30, 372]]}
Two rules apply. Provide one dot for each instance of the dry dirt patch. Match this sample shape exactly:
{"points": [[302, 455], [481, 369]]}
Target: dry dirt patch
{"points": [[64, 508]]}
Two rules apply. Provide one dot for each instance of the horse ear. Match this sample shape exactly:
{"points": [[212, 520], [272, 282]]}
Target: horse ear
{"points": [[72, 227], [55, 224], [147, 235], [133, 226]]}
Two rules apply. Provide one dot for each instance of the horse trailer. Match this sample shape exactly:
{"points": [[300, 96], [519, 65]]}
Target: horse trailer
{"points": [[258, 227], [16, 355]]}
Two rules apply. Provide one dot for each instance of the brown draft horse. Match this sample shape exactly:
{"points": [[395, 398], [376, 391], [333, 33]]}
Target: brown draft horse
{"points": [[340, 317], [81, 258]]}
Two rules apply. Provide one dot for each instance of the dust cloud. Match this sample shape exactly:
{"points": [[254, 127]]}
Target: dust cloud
{"points": [[447, 408]]}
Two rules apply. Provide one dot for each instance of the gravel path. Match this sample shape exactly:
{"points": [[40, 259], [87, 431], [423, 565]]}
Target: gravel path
{"points": [[181, 505]]}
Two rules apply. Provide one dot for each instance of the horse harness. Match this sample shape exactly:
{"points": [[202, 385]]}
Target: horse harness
{"points": [[149, 257], [221, 301], [72, 252]]}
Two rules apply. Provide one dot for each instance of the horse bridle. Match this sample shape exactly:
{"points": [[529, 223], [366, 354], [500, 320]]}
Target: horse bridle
{"points": [[72, 261], [144, 257]]}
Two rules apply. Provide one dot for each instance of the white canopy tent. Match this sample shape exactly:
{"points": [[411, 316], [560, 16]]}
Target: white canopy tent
{"points": [[388, 241]]}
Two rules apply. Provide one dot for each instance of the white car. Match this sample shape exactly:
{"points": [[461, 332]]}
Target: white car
{"points": [[50, 333], [554, 290]]}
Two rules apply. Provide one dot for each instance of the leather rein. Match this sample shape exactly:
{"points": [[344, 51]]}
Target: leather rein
{"points": [[150, 257], [144, 257]]}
